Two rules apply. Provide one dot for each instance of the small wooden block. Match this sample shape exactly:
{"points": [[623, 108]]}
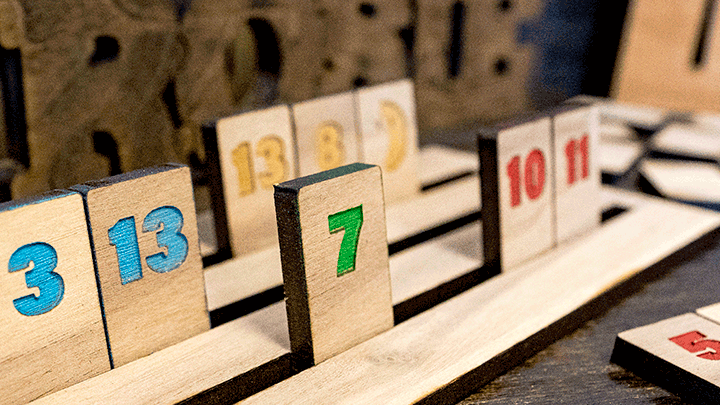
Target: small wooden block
{"points": [[254, 151], [52, 329], [681, 354], [389, 139], [577, 174], [144, 234], [516, 192], [334, 256], [326, 134]]}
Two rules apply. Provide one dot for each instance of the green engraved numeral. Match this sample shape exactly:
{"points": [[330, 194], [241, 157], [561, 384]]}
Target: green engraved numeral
{"points": [[350, 221]]}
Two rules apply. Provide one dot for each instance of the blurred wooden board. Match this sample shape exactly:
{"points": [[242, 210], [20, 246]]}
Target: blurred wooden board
{"points": [[444, 353], [687, 140], [469, 65], [668, 56], [685, 181]]}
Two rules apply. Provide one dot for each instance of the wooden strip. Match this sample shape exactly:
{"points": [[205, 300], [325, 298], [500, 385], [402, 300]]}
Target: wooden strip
{"points": [[431, 351], [228, 353], [688, 140], [683, 180]]}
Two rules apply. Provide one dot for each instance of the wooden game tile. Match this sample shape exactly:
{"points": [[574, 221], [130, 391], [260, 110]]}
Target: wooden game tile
{"points": [[577, 174], [516, 164], [326, 133], [683, 180], [334, 253], [145, 240], [389, 137], [248, 153], [52, 329], [680, 354]]}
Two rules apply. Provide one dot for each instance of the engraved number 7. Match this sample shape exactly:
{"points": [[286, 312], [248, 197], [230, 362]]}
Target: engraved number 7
{"points": [[350, 221]]}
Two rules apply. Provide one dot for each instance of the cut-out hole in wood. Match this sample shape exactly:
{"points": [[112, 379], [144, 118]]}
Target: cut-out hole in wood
{"points": [[269, 60], [169, 97], [13, 104], [328, 65], [107, 50], [359, 82], [501, 67], [367, 9], [457, 15], [105, 145], [704, 35], [504, 5]]}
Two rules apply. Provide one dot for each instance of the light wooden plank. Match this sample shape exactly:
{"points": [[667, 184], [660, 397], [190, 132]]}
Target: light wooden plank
{"points": [[457, 199], [242, 277], [190, 367], [52, 334], [516, 160], [428, 265], [688, 140], [617, 157], [145, 241], [577, 173], [680, 354], [431, 351], [683, 180], [439, 163], [389, 136], [326, 133], [334, 252]]}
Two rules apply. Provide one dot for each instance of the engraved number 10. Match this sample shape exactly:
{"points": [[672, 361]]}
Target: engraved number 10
{"points": [[534, 176]]}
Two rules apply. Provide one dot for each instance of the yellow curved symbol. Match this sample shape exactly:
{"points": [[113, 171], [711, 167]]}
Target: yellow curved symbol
{"points": [[397, 130]]}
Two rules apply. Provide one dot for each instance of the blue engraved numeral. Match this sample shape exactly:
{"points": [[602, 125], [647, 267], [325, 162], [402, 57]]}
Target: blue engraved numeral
{"points": [[167, 221], [51, 285], [171, 220], [124, 238]]}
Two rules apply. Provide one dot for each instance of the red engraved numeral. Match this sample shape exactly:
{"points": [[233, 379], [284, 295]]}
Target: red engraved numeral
{"points": [[695, 342], [572, 149], [534, 176]]}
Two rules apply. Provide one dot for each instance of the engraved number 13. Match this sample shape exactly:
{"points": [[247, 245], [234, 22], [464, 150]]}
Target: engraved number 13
{"points": [[168, 222]]}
